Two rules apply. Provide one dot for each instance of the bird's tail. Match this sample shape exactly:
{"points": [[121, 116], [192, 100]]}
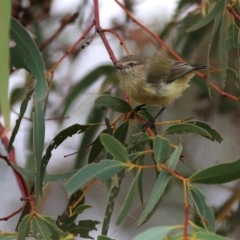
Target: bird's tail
{"points": [[199, 67]]}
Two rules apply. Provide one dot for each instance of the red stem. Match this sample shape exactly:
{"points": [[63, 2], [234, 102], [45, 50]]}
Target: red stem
{"points": [[12, 159], [100, 31]]}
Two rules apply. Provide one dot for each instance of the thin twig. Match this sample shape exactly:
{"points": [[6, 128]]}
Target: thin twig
{"points": [[12, 214], [71, 48], [174, 54]]}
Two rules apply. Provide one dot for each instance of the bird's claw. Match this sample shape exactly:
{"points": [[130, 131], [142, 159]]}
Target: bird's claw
{"points": [[149, 124], [137, 109]]}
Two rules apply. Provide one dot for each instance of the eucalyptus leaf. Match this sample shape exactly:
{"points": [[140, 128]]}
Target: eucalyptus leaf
{"points": [[115, 103]]}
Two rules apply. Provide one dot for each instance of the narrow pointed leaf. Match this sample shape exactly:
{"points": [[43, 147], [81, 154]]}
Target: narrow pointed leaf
{"points": [[113, 193], [31, 57], [139, 142], [197, 127], [47, 228], [64, 221], [128, 200], [221, 173], [5, 14], [115, 103], [82, 228], [81, 208], [61, 137], [7, 237], [102, 237], [85, 83], [38, 144], [102, 171], [121, 132], [158, 233], [114, 147], [159, 187], [218, 8], [161, 148], [18, 121], [205, 213], [24, 227]]}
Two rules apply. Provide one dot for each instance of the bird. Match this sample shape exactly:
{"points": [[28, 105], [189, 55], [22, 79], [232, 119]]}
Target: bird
{"points": [[154, 80]]}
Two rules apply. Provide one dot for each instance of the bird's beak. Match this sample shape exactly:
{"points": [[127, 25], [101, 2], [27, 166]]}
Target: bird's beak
{"points": [[119, 66]]}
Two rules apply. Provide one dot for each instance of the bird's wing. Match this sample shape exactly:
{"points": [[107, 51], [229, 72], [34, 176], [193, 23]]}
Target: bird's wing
{"points": [[157, 70], [178, 69]]}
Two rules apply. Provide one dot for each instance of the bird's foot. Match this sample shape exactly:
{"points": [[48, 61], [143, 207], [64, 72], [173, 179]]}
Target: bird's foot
{"points": [[149, 124], [137, 109]]}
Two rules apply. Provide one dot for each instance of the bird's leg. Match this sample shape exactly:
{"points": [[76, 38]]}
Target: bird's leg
{"points": [[151, 122], [136, 109]]}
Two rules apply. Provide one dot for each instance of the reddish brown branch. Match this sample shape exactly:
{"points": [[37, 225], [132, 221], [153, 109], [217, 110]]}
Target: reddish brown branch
{"points": [[11, 159], [156, 36], [64, 22], [100, 31], [71, 48], [12, 214], [119, 38], [233, 12]]}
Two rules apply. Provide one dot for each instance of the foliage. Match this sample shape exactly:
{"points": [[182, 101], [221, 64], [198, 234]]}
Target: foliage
{"points": [[113, 144]]}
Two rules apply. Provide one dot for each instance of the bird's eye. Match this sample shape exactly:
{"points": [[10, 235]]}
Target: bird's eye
{"points": [[131, 64]]}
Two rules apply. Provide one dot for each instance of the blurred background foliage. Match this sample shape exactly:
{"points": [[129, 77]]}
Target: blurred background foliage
{"points": [[88, 72]]}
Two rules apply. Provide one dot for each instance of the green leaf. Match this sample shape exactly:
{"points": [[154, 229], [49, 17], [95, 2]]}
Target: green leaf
{"points": [[218, 174], [208, 236], [46, 228], [17, 59], [7, 236], [121, 132], [140, 180], [47, 177], [66, 218], [31, 56], [95, 116], [161, 148], [25, 211], [113, 193], [96, 149], [204, 212], [86, 82], [40, 229], [197, 127], [128, 200], [159, 187], [38, 144], [102, 237], [115, 103], [158, 233], [83, 228], [139, 142], [218, 9], [199, 236], [24, 227], [229, 41], [18, 122], [114, 147], [61, 137], [5, 14], [102, 171], [81, 208]]}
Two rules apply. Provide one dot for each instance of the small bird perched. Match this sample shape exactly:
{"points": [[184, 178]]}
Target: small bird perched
{"points": [[154, 80]]}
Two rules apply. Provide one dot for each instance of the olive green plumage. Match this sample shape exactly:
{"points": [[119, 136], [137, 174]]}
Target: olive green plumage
{"points": [[154, 80]]}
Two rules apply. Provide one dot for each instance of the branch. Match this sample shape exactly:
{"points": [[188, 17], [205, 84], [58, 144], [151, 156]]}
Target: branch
{"points": [[11, 159], [71, 48], [64, 22], [12, 214], [174, 54]]}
